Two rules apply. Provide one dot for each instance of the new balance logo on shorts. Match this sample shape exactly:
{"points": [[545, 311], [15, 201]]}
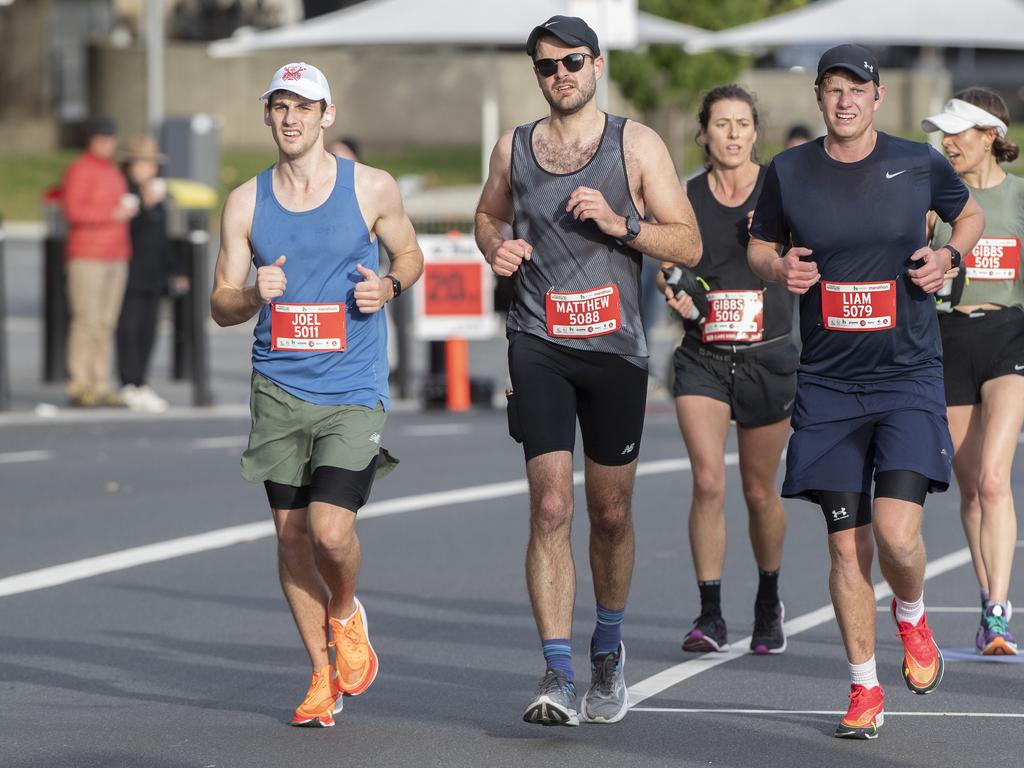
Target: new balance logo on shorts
{"points": [[375, 438], [628, 449], [839, 514]]}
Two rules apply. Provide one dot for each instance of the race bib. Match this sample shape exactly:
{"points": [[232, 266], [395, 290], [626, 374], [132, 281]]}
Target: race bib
{"points": [[307, 327], [858, 306], [581, 315], [733, 316], [994, 258]]}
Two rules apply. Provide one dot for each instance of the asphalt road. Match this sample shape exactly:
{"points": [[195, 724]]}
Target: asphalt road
{"points": [[185, 655]]}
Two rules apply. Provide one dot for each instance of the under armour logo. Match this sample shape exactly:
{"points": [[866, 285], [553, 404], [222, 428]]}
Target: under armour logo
{"points": [[869, 67], [839, 514], [628, 449]]}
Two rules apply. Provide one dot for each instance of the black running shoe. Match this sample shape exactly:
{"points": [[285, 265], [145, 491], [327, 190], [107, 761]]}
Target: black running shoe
{"points": [[708, 634], [768, 635]]}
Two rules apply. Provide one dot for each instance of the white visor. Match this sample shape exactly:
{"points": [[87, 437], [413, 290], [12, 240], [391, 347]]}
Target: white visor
{"points": [[957, 116]]}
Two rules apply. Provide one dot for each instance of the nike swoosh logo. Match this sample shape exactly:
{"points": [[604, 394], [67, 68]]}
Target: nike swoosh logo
{"points": [[1018, 367], [894, 175]]}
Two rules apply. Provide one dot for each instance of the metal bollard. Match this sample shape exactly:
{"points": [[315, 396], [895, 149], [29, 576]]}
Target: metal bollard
{"points": [[5, 384], [199, 237], [55, 307]]}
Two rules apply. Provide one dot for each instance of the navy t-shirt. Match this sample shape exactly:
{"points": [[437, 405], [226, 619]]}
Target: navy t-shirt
{"points": [[863, 221]]}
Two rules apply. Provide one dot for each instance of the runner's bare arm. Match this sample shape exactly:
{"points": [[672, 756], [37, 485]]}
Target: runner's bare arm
{"points": [[381, 199], [768, 262], [493, 220], [231, 301], [934, 264]]}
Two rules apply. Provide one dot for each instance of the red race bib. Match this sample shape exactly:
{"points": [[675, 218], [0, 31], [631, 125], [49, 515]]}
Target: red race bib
{"points": [[858, 306], [734, 316], [307, 327], [580, 315], [994, 258]]}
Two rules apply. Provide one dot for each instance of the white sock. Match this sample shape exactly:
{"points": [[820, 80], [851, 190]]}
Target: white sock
{"points": [[910, 612], [864, 674], [349, 618]]}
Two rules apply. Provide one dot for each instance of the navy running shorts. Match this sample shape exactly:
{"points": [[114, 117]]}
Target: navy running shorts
{"points": [[553, 386], [845, 432], [758, 383], [977, 347]]}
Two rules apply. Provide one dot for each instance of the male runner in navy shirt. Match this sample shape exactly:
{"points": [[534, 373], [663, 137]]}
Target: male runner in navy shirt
{"points": [[841, 222]]}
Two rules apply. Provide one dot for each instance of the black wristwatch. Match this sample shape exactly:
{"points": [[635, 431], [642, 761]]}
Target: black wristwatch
{"points": [[955, 258], [632, 229], [396, 286]]}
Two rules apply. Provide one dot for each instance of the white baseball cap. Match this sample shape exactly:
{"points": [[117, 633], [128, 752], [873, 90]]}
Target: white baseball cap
{"points": [[958, 115], [300, 78]]}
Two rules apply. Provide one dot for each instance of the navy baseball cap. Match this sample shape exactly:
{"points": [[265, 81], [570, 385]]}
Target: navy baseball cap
{"points": [[571, 30], [855, 59], [101, 125]]}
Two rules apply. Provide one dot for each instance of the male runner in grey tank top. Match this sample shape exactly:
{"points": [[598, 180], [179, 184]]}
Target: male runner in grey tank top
{"points": [[562, 214]]}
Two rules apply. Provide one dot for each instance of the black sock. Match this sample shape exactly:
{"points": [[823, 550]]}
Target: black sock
{"points": [[768, 586], [710, 596]]}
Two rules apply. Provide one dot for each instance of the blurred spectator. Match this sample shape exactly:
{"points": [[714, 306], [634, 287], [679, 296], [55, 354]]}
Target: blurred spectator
{"points": [[149, 275], [798, 134], [345, 147], [98, 207]]}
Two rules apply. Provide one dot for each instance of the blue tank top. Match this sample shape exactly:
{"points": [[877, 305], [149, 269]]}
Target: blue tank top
{"points": [[322, 247]]}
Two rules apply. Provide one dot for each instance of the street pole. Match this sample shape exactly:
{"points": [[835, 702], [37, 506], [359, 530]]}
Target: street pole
{"points": [[154, 66]]}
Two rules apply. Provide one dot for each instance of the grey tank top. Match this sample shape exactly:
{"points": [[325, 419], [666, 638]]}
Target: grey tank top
{"points": [[574, 256]]}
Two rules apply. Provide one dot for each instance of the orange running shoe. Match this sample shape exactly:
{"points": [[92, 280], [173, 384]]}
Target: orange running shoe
{"points": [[865, 715], [922, 659], [323, 700], [354, 657]]}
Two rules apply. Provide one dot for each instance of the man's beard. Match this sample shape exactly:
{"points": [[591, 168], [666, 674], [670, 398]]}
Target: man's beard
{"points": [[584, 93]]}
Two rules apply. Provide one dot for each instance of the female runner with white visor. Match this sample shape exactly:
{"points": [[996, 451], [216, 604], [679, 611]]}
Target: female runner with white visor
{"points": [[982, 325]]}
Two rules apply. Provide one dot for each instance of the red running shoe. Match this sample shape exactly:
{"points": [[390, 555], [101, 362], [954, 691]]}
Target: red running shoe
{"points": [[865, 715], [922, 659]]}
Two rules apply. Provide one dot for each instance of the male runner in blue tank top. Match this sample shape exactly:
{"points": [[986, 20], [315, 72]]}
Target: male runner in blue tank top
{"points": [[561, 212], [841, 222], [311, 224]]}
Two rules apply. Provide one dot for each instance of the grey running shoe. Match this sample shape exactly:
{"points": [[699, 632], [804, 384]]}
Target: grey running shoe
{"points": [[768, 636], [606, 701], [708, 634], [555, 702]]}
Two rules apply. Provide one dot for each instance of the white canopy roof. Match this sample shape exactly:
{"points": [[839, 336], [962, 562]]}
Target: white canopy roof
{"points": [[475, 24], [933, 23]]}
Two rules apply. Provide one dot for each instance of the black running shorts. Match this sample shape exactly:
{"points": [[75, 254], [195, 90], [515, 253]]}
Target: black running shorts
{"points": [[553, 386], [977, 347], [758, 383]]}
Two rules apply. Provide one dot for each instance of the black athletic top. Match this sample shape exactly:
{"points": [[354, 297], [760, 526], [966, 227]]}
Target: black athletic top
{"points": [[723, 230], [569, 255], [863, 220]]}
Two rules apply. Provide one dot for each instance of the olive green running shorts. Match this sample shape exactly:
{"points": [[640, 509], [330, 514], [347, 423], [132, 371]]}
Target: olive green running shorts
{"points": [[291, 439]]}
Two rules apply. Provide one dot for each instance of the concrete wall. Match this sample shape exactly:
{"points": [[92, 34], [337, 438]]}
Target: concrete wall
{"points": [[25, 115], [391, 99]]}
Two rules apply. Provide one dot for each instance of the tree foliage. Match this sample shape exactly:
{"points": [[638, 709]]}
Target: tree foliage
{"points": [[665, 75]]}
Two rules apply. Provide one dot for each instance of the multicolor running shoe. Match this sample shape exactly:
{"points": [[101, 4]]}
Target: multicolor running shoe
{"points": [[994, 638], [865, 715], [922, 660], [708, 634]]}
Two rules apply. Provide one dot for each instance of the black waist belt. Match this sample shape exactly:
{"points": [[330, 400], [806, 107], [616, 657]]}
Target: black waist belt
{"points": [[733, 352]]}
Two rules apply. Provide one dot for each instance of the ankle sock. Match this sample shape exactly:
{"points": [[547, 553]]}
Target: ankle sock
{"points": [[607, 632], [864, 674], [710, 596], [911, 613], [767, 586], [558, 656]]}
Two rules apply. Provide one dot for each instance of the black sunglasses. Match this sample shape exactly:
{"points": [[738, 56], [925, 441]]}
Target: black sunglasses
{"points": [[572, 63]]}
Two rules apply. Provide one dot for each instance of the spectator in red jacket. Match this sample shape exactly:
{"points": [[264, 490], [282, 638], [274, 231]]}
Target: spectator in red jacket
{"points": [[98, 207]]}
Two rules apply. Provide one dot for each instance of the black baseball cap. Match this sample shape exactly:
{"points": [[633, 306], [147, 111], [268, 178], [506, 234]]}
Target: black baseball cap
{"points": [[101, 125], [571, 30], [853, 58]]}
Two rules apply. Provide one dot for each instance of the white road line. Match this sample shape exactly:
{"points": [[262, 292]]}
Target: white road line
{"points": [[18, 457], [226, 537], [667, 678], [437, 430], [775, 712], [940, 609], [228, 441]]}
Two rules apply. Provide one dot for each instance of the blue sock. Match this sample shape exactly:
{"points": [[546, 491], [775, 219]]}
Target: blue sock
{"points": [[608, 632], [558, 656]]}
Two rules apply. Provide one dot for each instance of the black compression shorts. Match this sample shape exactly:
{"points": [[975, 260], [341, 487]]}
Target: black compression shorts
{"points": [[553, 386]]}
